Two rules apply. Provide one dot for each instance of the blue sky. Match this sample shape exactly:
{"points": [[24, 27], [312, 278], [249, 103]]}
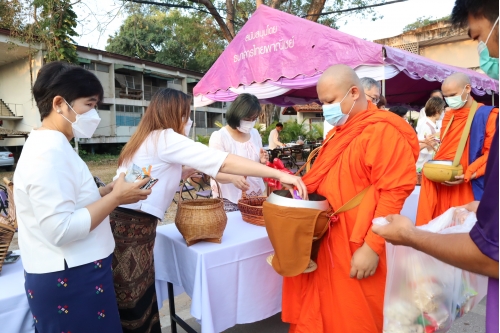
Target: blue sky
{"points": [[101, 18]]}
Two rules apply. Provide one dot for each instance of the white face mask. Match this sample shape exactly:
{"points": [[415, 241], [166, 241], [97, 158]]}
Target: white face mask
{"points": [[456, 102], [246, 126], [85, 124], [187, 127]]}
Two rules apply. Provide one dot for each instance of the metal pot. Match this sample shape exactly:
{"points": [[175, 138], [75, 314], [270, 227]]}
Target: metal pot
{"points": [[284, 198]]}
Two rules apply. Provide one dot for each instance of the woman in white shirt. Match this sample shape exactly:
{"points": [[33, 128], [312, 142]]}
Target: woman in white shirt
{"points": [[160, 142], [64, 232], [239, 137], [428, 133]]}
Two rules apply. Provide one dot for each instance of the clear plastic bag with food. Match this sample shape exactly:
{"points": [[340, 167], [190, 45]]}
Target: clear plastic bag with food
{"points": [[423, 294]]}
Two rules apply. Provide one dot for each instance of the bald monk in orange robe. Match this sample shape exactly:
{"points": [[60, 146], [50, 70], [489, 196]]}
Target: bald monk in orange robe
{"points": [[374, 147], [435, 199]]}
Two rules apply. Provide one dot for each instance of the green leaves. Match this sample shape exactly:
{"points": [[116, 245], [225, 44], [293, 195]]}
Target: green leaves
{"points": [[51, 22], [173, 38]]}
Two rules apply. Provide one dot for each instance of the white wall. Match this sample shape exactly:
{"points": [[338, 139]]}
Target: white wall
{"points": [[15, 87]]}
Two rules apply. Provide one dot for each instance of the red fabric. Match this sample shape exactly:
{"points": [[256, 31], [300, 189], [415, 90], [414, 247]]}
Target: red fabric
{"points": [[374, 148]]}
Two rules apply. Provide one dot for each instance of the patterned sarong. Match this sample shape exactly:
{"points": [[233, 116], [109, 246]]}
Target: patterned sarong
{"points": [[134, 272]]}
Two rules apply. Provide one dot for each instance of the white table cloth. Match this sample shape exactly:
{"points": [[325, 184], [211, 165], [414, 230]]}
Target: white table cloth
{"points": [[410, 207], [15, 314], [229, 283]]}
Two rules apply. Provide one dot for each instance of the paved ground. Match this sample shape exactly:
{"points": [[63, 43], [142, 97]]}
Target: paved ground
{"points": [[473, 322]]}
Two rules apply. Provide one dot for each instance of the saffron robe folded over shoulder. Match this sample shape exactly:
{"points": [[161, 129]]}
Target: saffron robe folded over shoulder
{"points": [[435, 199], [375, 148]]}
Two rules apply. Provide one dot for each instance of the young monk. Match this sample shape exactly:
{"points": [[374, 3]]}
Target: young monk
{"points": [[436, 198], [370, 147]]}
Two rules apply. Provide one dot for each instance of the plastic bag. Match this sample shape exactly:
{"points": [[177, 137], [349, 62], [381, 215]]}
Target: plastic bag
{"points": [[423, 294]]}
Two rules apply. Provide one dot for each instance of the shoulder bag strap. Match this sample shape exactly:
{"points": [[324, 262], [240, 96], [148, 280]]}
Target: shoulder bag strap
{"points": [[465, 135], [447, 128], [353, 203]]}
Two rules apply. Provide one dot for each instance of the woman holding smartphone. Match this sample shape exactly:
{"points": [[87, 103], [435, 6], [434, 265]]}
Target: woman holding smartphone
{"points": [[64, 232]]}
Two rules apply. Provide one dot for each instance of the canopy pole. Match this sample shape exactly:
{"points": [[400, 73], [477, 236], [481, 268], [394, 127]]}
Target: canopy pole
{"points": [[492, 99], [194, 123], [383, 87]]}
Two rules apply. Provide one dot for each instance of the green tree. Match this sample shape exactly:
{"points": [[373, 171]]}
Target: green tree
{"points": [[173, 38], [423, 21], [51, 22]]}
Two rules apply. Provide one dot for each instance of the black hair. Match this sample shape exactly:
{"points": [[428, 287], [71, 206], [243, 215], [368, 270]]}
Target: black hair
{"points": [[245, 106], [63, 79], [399, 110], [476, 8], [279, 125], [435, 91]]}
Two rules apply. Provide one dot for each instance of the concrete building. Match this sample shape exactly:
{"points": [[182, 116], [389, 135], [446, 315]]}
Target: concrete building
{"points": [[128, 85], [439, 41]]}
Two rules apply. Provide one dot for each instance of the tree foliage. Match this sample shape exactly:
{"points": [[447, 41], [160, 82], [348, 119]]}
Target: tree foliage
{"points": [[50, 22], [424, 21], [185, 40]]}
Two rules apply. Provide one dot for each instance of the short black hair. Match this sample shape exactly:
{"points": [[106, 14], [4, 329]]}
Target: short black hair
{"points": [[245, 106], [476, 8], [63, 79], [399, 110], [436, 91], [279, 125]]}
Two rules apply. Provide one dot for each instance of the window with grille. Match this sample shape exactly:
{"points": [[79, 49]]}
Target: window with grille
{"points": [[128, 115], [102, 68]]}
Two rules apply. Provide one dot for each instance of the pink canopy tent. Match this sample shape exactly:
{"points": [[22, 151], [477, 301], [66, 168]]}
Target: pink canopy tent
{"points": [[279, 58]]}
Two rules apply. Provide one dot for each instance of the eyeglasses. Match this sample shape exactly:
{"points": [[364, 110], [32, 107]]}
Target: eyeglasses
{"points": [[375, 100]]}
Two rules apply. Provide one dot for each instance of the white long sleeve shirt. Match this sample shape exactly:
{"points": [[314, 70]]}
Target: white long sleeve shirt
{"points": [[223, 141], [167, 151], [52, 187]]}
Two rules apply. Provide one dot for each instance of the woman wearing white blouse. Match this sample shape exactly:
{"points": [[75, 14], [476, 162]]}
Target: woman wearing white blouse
{"points": [[64, 232], [239, 137], [160, 142], [428, 134]]}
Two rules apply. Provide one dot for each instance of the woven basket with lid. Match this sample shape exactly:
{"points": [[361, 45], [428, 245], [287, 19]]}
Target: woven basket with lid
{"points": [[201, 219]]}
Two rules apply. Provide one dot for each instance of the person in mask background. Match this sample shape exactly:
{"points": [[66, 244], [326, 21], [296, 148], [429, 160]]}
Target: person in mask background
{"points": [[161, 142], [371, 149], [476, 251], [239, 137], [64, 231], [435, 198]]}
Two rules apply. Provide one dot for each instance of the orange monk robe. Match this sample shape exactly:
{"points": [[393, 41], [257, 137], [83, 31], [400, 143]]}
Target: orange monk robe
{"points": [[435, 199], [374, 148]]}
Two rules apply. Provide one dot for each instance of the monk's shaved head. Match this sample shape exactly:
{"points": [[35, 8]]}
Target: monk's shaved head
{"points": [[340, 84], [454, 84], [457, 78], [340, 77]]}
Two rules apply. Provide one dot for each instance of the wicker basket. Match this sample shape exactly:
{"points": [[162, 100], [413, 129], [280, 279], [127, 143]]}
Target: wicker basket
{"points": [[8, 224], [201, 219], [251, 209]]}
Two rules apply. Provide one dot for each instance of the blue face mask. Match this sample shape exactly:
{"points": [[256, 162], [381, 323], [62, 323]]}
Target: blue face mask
{"points": [[333, 112], [488, 64]]}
